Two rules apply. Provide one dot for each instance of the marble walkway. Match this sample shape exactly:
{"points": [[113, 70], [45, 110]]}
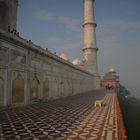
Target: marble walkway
{"points": [[70, 118], [100, 123]]}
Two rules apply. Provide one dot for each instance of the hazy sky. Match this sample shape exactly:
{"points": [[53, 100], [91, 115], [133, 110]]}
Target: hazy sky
{"points": [[57, 25]]}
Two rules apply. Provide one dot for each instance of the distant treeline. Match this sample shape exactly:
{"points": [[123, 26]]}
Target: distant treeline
{"points": [[123, 90]]}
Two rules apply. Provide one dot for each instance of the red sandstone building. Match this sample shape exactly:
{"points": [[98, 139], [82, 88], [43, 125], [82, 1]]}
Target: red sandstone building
{"points": [[110, 80]]}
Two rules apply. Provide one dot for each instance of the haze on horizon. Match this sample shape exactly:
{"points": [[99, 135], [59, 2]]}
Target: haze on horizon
{"points": [[58, 27]]}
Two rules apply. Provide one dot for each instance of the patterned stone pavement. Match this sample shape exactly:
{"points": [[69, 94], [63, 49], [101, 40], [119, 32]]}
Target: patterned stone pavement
{"points": [[70, 118], [51, 120], [100, 123]]}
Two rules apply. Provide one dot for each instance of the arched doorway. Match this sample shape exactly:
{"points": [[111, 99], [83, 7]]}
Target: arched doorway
{"points": [[34, 94], [61, 88], [55, 88], [66, 89], [46, 89], [69, 87], [1, 92], [18, 90]]}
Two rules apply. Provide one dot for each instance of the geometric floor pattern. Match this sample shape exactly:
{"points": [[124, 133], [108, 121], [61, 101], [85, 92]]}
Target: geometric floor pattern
{"points": [[70, 118], [99, 124]]}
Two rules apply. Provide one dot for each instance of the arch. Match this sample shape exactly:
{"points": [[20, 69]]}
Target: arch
{"points": [[70, 87], [61, 88], [67, 88], [18, 90], [46, 88], [75, 86], [55, 88], [34, 93], [1, 91]]}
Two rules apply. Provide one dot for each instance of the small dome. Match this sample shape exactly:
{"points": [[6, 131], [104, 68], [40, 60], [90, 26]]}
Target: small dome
{"points": [[63, 56], [76, 61], [111, 70]]}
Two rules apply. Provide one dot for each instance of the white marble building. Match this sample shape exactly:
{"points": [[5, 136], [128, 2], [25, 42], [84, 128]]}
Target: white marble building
{"points": [[29, 73]]}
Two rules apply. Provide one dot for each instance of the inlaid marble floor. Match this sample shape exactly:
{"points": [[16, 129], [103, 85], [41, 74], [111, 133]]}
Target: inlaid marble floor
{"points": [[100, 123], [70, 118]]}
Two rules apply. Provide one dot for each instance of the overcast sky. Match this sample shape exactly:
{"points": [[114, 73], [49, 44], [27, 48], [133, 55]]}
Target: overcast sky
{"points": [[57, 25]]}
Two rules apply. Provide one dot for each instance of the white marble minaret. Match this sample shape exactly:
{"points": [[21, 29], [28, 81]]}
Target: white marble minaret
{"points": [[8, 14], [90, 49]]}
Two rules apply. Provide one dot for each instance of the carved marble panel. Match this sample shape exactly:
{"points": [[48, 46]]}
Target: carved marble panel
{"points": [[2, 72], [34, 91], [55, 87], [3, 54], [36, 63], [18, 89], [69, 87], [46, 66], [18, 57], [46, 89], [61, 87]]}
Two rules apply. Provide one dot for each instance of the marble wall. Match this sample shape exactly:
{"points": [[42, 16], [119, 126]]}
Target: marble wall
{"points": [[29, 73]]}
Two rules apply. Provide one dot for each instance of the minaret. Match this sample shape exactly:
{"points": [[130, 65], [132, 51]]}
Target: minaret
{"points": [[8, 14], [90, 48]]}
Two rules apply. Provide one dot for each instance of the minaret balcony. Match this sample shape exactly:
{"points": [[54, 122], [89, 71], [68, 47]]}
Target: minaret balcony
{"points": [[90, 22]]}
